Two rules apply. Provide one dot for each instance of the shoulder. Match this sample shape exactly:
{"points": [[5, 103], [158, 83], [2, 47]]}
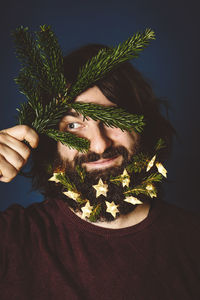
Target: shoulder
{"points": [[18, 218], [176, 223], [178, 215]]}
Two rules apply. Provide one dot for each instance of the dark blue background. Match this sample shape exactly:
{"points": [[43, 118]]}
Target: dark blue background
{"points": [[171, 64]]}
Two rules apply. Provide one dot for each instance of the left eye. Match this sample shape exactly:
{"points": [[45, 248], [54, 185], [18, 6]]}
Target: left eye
{"points": [[73, 125]]}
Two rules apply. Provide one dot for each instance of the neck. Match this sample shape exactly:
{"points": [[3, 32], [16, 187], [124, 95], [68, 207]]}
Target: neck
{"points": [[136, 216]]}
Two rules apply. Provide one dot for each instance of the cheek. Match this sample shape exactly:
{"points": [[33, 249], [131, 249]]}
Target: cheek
{"points": [[125, 138], [66, 153]]}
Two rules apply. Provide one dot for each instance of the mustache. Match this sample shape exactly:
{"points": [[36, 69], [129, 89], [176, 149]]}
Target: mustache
{"points": [[108, 153]]}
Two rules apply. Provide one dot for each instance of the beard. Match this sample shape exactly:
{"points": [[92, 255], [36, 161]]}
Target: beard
{"points": [[115, 192]]}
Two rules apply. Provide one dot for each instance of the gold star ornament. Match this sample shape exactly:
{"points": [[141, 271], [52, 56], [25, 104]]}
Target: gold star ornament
{"points": [[112, 208], [101, 188], [54, 178], [87, 209], [151, 190], [151, 163], [125, 178], [72, 195], [161, 169], [132, 200]]}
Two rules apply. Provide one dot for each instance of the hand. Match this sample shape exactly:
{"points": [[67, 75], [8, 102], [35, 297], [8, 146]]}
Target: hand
{"points": [[13, 152]]}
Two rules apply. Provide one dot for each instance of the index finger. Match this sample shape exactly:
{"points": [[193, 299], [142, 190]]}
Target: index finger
{"points": [[23, 132]]}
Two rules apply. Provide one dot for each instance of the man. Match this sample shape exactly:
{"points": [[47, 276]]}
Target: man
{"points": [[52, 250]]}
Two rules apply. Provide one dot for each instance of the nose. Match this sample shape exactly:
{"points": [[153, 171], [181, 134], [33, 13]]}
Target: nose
{"points": [[99, 139]]}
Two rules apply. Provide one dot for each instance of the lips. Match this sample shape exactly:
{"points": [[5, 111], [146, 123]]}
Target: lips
{"points": [[102, 162]]}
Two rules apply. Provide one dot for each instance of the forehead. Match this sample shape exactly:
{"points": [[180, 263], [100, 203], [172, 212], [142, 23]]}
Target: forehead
{"points": [[94, 95]]}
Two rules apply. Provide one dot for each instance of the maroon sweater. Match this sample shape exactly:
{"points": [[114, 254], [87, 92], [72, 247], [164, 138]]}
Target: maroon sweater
{"points": [[47, 252]]}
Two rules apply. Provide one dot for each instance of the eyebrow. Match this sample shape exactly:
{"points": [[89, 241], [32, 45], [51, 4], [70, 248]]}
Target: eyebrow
{"points": [[73, 114]]}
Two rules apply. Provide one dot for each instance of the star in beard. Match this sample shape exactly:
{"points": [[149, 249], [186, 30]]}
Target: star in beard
{"points": [[101, 188], [112, 208], [72, 195], [151, 163], [54, 177], [125, 178], [87, 209], [132, 200]]}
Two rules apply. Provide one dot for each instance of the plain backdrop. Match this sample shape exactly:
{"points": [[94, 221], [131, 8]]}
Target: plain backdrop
{"points": [[171, 64]]}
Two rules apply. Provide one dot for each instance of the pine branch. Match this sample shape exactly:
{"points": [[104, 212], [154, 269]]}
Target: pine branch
{"points": [[25, 114], [160, 145], [154, 177], [139, 163], [95, 213], [41, 78], [64, 180], [107, 59], [110, 116], [29, 56], [81, 172], [52, 59], [140, 189], [68, 139]]}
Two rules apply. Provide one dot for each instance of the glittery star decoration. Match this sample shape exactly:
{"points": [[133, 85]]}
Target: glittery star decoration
{"points": [[151, 163], [101, 188], [72, 195], [125, 178], [151, 190], [53, 178], [133, 200], [112, 208], [161, 169], [87, 209]]}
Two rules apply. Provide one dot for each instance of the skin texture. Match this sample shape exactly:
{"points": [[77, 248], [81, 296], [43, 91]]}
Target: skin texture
{"points": [[13, 152], [100, 136]]}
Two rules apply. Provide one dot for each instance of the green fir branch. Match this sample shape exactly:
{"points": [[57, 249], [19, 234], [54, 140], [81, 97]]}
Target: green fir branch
{"points": [[51, 54], [107, 59], [41, 80], [110, 116], [95, 213], [160, 145], [29, 55], [68, 139], [154, 177], [138, 164], [81, 172], [137, 190], [64, 180]]}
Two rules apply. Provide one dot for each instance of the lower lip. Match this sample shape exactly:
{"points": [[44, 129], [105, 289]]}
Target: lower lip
{"points": [[102, 163]]}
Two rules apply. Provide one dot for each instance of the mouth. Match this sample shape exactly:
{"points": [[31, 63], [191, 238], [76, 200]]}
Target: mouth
{"points": [[103, 163]]}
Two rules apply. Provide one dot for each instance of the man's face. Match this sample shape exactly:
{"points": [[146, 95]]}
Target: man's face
{"points": [[101, 137]]}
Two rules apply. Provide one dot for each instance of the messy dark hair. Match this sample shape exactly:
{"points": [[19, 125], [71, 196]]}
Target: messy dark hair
{"points": [[124, 86]]}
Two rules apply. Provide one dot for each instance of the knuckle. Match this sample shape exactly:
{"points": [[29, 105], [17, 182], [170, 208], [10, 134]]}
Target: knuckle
{"points": [[2, 136], [27, 152], [25, 129], [19, 162]]}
